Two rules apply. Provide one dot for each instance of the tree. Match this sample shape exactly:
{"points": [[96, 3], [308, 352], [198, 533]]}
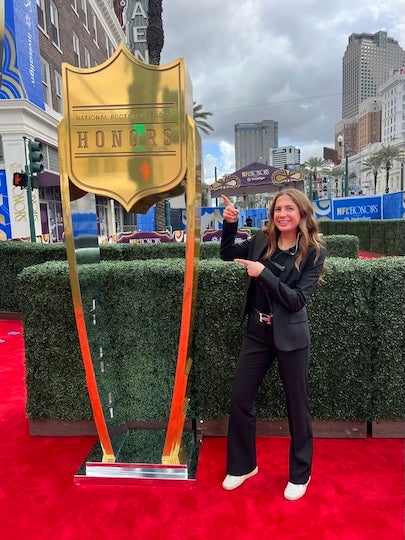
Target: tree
{"points": [[313, 166], [373, 163], [154, 31], [200, 118], [155, 42], [387, 154]]}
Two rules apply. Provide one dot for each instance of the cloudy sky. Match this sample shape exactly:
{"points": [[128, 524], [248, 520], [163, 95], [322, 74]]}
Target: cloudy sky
{"points": [[253, 60]]}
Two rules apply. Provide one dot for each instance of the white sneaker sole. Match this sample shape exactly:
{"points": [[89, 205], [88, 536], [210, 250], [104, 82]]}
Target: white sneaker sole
{"points": [[293, 492], [238, 483]]}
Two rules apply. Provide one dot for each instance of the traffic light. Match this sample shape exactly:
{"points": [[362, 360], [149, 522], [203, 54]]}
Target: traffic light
{"points": [[20, 179], [35, 157]]}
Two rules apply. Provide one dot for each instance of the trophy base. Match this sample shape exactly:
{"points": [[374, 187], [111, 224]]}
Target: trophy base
{"points": [[138, 462]]}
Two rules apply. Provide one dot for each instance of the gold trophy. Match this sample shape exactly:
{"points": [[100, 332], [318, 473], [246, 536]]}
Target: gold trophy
{"points": [[128, 134]]}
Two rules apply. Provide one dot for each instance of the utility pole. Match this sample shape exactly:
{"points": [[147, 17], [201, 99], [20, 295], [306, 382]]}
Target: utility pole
{"points": [[346, 169], [29, 194], [33, 166]]}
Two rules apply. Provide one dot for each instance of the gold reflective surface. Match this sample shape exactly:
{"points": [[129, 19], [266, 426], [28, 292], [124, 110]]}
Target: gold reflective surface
{"points": [[125, 129], [128, 134]]}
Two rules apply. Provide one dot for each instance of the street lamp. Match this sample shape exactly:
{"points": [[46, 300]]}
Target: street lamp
{"points": [[402, 176], [387, 176], [346, 155]]}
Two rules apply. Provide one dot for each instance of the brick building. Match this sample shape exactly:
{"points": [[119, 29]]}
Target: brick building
{"points": [[38, 38]]}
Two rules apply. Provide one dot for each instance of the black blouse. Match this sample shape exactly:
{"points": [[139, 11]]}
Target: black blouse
{"points": [[259, 298]]}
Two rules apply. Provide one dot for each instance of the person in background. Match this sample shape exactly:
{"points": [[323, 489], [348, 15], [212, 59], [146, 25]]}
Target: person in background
{"points": [[249, 221], [283, 263]]}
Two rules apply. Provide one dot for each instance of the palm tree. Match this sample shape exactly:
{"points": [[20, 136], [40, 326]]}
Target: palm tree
{"points": [[373, 163], [387, 154], [200, 118], [154, 31], [313, 166], [155, 42]]}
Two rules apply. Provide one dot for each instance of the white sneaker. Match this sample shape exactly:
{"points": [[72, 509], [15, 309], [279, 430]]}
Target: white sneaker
{"points": [[232, 482], [293, 492]]}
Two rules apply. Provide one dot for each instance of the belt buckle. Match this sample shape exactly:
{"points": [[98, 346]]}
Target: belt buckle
{"points": [[264, 318]]}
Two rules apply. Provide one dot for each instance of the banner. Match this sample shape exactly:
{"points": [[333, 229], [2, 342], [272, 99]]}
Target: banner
{"points": [[394, 205], [21, 69], [323, 209], [349, 208], [5, 225]]}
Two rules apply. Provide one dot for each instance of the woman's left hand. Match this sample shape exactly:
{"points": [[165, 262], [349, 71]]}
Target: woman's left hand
{"points": [[253, 268]]}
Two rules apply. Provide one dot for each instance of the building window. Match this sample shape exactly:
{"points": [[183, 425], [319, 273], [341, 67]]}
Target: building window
{"points": [[87, 60], [95, 33], [41, 14], [54, 24], [76, 50], [58, 90], [84, 13], [53, 158], [46, 85], [102, 214], [51, 213]]}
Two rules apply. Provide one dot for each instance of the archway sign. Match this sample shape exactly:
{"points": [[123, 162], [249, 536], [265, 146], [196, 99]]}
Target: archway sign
{"points": [[127, 134], [256, 178]]}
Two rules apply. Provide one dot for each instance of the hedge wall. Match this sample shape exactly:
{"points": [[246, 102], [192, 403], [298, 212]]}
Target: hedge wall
{"points": [[357, 318], [15, 256], [379, 236]]}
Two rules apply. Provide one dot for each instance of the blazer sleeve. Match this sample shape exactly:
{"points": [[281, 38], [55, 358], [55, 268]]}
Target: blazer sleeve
{"points": [[228, 249], [294, 294]]}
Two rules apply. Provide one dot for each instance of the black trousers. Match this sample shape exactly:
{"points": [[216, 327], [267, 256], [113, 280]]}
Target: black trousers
{"points": [[257, 355]]}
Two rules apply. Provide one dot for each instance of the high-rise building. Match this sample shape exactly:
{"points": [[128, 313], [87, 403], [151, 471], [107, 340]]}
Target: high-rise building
{"points": [[286, 155], [367, 63], [253, 141]]}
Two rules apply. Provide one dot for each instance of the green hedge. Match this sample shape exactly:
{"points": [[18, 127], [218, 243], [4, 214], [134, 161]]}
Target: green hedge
{"points": [[379, 236], [15, 256], [342, 245], [357, 319]]}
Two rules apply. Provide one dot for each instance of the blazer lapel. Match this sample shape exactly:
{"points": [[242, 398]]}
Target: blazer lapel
{"points": [[260, 247]]}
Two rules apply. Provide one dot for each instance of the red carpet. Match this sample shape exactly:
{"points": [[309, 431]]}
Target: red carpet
{"points": [[357, 490], [369, 255]]}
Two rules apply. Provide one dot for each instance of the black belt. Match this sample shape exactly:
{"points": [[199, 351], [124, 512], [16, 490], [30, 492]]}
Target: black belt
{"points": [[264, 318]]}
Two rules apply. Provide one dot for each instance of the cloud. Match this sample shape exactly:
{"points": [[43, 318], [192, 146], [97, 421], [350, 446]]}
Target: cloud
{"points": [[223, 161], [271, 60]]}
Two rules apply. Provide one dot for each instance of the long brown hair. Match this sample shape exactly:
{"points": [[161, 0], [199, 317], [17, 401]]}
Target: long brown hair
{"points": [[308, 228]]}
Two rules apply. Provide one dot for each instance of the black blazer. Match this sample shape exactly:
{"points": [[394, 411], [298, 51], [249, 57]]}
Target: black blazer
{"points": [[289, 292]]}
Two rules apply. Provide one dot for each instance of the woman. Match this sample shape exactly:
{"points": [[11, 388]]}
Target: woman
{"points": [[283, 262]]}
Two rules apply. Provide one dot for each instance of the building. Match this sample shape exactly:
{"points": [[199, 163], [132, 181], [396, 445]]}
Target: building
{"points": [[367, 63], [392, 94], [37, 39], [253, 141], [284, 156], [369, 122]]}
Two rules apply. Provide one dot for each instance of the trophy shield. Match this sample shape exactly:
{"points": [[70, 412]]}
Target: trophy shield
{"points": [[127, 135]]}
